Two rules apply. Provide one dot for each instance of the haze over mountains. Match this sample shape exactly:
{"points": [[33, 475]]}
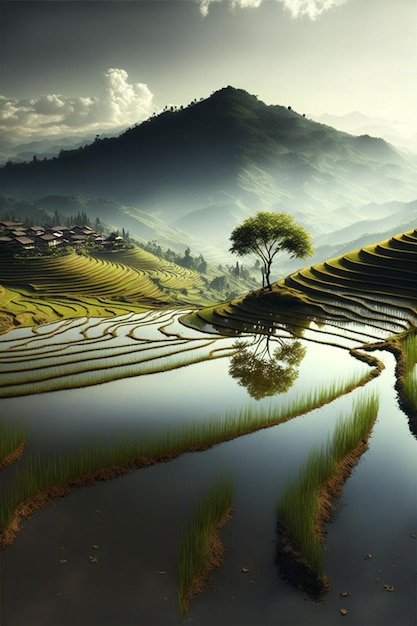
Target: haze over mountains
{"points": [[188, 176], [401, 135]]}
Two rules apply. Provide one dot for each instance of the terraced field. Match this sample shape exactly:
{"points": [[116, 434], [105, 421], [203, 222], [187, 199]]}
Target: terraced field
{"points": [[363, 301], [360, 302], [166, 274], [38, 290], [367, 295], [77, 353], [77, 274]]}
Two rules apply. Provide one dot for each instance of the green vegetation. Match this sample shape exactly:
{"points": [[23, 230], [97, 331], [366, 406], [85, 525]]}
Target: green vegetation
{"points": [[183, 283], [409, 345], [12, 439], [266, 235], [103, 283], [362, 297], [199, 549], [365, 283], [300, 508], [409, 379], [42, 289], [38, 479], [79, 353]]}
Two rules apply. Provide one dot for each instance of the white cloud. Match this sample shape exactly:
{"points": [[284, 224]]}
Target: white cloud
{"points": [[241, 4], [120, 104], [298, 8], [311, 8]]}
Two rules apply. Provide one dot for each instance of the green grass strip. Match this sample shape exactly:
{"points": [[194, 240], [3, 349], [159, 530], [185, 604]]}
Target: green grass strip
{"points": [[298, 506], [12, 439], [410, 389], [39, 479], [199, 549], [408, 377], [409, 345]]}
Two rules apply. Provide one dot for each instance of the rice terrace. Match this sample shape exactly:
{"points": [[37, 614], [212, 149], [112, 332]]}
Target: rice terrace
{"points": [[249, 461], [208, 313]]}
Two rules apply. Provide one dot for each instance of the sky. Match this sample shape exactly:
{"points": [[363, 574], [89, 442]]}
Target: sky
{"points": [[76, 67]]}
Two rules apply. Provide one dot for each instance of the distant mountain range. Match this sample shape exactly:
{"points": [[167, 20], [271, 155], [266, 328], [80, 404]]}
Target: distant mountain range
{"points": [[199, 170], [45, 148], [40, 148], [401, 135]]}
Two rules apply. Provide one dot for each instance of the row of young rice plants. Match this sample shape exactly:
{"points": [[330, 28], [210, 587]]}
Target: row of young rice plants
{"points": [[96, 335], [27, 309], [298, 506], [38, 474], [168, 275], [121, 363], [12, 437], [199, 549], [78, 274], [409, 346], [301, 403], [68, 354]]}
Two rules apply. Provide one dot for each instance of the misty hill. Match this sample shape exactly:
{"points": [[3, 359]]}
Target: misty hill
{"points": [[42, 148], [402, 135], [201, 169], [231, 143]]}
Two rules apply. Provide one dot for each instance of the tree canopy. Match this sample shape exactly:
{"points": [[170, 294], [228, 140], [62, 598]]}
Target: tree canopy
{"points": [[266, 235]]}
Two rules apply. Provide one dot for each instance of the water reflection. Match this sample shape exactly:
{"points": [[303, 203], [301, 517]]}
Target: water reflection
{"points": [[268, 366]]}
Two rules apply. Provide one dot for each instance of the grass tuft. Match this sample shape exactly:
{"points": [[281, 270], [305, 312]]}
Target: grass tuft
{"points": [[195, 557], [298, 506], [12, 437]]}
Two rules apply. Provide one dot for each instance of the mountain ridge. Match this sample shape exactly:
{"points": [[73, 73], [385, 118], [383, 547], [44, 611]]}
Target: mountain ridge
{"points": [[230, 150]]}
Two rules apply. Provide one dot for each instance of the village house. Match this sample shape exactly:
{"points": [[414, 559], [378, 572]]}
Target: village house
{"points": [[47, 239], [14, 236], [22, 242]]}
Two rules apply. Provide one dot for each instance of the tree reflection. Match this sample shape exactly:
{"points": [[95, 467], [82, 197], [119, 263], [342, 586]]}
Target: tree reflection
{"points": [[266, 370]]}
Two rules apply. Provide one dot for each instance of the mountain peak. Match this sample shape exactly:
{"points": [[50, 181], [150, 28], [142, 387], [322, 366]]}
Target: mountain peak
{"points": [[231, 97], [232, 92], [230, 143]]}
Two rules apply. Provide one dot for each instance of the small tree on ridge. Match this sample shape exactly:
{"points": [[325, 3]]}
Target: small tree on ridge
{"points": [[266, 235]]}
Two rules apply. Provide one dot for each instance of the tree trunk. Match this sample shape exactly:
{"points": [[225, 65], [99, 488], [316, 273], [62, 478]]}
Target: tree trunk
{"points": [[267, 274]]}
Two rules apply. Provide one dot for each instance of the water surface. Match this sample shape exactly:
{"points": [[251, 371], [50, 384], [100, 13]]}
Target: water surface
{"points": [[135, 520]]}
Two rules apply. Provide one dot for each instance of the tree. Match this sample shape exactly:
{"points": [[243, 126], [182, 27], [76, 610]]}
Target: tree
{"points": [[266, 235]]}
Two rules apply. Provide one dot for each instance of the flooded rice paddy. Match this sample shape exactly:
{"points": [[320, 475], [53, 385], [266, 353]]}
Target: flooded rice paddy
{"points": [[106, 554]]}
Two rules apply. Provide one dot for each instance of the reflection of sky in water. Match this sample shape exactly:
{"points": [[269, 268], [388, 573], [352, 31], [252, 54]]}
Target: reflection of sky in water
{"points": [[193, 392], [141, 513]]}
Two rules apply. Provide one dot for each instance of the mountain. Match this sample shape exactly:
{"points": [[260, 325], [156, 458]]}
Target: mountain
{"points": [[400, 134], [46, 148], [42, 148], [203, 168]]}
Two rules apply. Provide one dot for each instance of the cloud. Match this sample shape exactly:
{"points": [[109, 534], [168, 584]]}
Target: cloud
{"points": [[311, 8], [298, 8], [242, 4], [119, 104]]}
